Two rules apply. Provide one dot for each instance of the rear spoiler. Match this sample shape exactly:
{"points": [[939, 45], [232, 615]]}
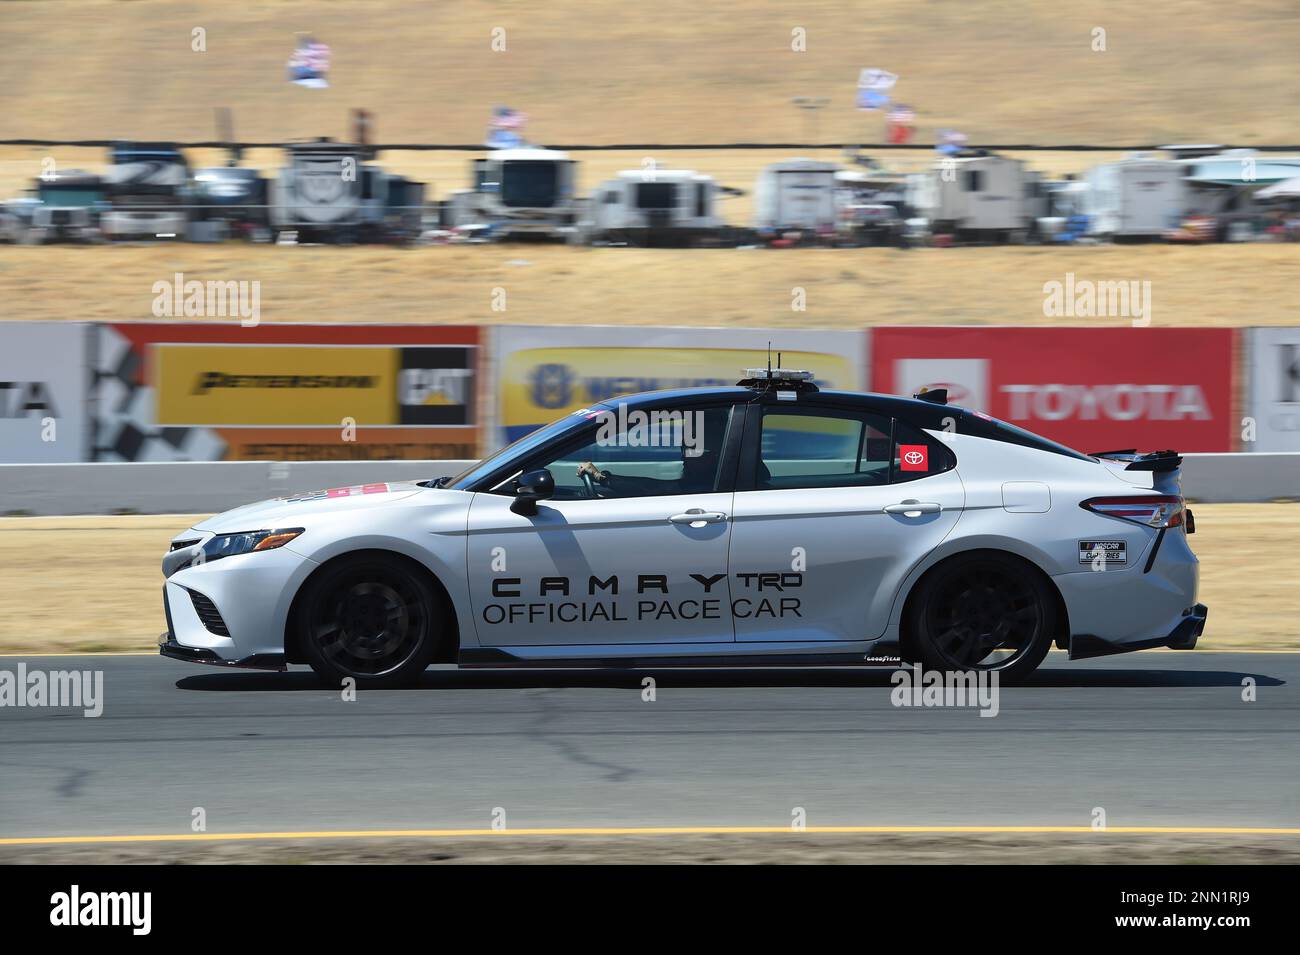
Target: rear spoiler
{"points": [[1157, 461]]}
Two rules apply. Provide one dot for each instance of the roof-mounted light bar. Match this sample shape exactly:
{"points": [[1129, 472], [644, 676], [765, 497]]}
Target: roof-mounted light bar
{"points": [[781, 378]]}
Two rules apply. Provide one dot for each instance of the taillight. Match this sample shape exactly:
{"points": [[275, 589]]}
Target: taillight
{"points": [[1153, 510]]}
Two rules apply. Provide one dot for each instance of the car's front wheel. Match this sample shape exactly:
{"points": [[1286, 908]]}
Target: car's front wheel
{"points": [[982, 612], [372, 618]]}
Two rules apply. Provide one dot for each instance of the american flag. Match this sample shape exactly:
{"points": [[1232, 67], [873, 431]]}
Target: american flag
{"points": [[316, 57], [901, 115], [507, 118]]}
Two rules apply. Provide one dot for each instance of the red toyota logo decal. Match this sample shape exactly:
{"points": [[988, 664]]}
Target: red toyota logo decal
{"points": [[913, 457]]}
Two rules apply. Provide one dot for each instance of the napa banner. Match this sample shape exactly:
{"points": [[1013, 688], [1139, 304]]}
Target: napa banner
{"points": [[544, 373]]}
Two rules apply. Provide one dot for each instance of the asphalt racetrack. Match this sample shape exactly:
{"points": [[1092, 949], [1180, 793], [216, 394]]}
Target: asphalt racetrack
{"points": [[1155, 739]]}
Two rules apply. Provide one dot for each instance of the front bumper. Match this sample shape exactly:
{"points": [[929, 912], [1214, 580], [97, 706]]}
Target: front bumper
{"points": [[168, 647], [231, 611], [1182, 637]]}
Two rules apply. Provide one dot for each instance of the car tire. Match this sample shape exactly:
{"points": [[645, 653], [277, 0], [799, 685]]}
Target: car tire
{"points": [[373, 618], [981, 612]]}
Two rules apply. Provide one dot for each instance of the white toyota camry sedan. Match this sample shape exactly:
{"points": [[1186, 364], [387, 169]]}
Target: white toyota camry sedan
{"points": [[767, 523]]}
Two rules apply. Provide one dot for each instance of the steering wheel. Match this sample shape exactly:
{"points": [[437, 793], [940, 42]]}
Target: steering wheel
{"points": [[589, 485]]}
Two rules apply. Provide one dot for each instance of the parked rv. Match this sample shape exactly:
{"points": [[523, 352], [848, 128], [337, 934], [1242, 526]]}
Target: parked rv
{"points": [[230, 194], [148, 191], [798, 195], [656, 207], [1223, 185], [977, 196], [872, 205], [317, 194], [1140, 196], [69, 208], [399, 219], [1064, 218], [519, 192], [16, 219]]}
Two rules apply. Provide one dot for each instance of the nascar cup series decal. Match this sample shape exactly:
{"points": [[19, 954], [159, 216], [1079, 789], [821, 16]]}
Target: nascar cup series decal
{"points": [[766, 596], [1112, 552]]}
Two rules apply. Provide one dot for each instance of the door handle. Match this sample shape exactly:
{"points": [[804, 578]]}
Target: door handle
{"points": [[913, 508], [698, 517]]}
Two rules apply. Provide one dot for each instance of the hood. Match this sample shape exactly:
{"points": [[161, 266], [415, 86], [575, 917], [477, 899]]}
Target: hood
{"points": [[290, 511]]}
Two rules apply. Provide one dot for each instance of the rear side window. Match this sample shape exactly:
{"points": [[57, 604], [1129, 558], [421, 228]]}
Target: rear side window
{"points": [[824, 449], [918, 454]]}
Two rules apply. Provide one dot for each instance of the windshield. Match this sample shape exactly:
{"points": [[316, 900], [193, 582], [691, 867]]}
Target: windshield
{"points": [[70, 196], [525, 444], [656, 195], [530, 183]]}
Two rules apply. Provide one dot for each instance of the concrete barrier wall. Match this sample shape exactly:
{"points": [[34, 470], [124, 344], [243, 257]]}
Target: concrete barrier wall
{"points": [[200, 487], [209, 487], [1241, 478]]}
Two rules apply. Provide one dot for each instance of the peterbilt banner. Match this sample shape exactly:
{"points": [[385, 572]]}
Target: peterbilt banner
{"points": [[205, 391], [44, 384], [544, 373], [1094, 389]]}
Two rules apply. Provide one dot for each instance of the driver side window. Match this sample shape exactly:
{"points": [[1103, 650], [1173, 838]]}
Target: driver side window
{"points": [[643, 453]]}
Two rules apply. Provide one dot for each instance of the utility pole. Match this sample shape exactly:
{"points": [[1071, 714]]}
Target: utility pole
{"points": [[810, 105]]}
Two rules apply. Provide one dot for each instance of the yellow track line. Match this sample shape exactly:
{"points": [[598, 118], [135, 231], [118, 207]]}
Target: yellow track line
{"points": [[644, 831]]}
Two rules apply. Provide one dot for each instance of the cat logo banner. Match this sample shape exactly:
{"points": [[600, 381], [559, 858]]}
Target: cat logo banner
{"points": [[436, 386]]}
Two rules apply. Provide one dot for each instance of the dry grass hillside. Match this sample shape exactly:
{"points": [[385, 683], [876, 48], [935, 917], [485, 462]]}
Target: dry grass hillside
{"points": [[1235, 285], [1002, 70]]}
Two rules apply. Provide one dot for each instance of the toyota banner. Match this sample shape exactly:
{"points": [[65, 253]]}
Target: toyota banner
{"points": [[1092, 389]]}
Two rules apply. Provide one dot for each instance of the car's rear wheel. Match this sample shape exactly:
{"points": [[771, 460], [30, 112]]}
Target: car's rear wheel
{"points": [[982, 612], [372, 618]]}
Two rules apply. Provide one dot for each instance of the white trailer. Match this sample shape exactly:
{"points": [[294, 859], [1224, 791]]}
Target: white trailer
{"points": [[330, 192], [1135, 197], [797, 195], [656, 207], [977, 195], [523, 191], [317, 193]]}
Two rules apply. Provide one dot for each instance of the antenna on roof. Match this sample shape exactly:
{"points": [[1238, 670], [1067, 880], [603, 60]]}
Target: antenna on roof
{"points": [[769, 360]]}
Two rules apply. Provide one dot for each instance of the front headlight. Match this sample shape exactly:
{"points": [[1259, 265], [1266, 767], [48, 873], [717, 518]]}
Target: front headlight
{"points": [[246, 542]]}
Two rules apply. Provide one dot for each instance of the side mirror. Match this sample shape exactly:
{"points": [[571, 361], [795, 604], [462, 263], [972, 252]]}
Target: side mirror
{"points": [[533, 487]]}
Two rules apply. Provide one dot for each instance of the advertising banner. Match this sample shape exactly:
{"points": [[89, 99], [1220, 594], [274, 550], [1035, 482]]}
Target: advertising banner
{"points": [[44, 384], [1273, 395], [205, 391], [1094, 389], [546, 372]]}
